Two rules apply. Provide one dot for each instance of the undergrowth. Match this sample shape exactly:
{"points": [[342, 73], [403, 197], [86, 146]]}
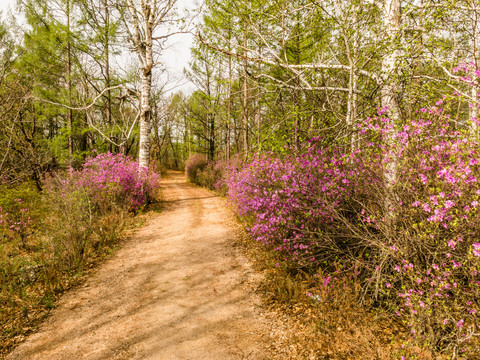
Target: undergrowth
{"points": [[50, 240], [327, 323]]}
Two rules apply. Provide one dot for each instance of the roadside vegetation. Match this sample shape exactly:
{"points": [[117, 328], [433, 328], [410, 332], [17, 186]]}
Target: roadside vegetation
{"points": [[350, 234], [50, 239]]}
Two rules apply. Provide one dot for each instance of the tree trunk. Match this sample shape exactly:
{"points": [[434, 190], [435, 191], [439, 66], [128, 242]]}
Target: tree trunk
{"points": [[391, 15], [353, 83], [229, 103], [245, 99], [145, 17], [475, 87], [145, 119], [211, 140], [108, 108], [473, 111], [296, 94], [69, 86]]}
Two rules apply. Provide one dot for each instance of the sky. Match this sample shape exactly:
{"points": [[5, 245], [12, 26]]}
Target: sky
{"points": [[175, 58], [5, 3]]}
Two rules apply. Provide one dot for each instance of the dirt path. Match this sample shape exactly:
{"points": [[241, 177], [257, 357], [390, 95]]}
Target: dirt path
{"points": [[179, 289]]}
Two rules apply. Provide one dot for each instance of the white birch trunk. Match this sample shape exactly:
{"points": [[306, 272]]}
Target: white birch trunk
{"points": [[245, 100], [229, 105], [391, 13], [391, 16], [353, 81], [145, 17], [474, 110], [352, 107], [145, 120]]}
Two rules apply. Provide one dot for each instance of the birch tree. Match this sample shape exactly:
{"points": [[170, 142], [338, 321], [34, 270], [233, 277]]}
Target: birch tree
{"points": [[144, 19], [391, 23]]}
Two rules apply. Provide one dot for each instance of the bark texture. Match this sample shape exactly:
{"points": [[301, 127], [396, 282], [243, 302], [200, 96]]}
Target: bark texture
{"points": [[143, 18], [391, 23]]}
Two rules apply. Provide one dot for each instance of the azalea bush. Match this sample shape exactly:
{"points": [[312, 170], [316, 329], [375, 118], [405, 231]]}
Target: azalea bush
{"points": [[21, 210], [425, 263], [193, 166], [115, 179], [212, 176], [107, 185], [47, 238], [16, 223], [209, 174], [400, 213], [288, 200]]}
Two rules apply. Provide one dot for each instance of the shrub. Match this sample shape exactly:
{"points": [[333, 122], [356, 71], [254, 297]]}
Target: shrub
{"points": [[211, 176], [16, 225], [116, 180], [193, 166], [412, 244], [20, 212], [47, 238], [107, 184]]}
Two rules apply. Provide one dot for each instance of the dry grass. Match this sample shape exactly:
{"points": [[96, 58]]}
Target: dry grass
{"points": [[32, 279], [333, 327]]}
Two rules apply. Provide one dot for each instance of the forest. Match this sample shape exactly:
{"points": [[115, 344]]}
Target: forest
{"points": [[344, 135]]}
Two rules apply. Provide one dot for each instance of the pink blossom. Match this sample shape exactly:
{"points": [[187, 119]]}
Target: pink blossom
{"points": [[423, 178], [452, 244], [449, 204], [476, 249]]}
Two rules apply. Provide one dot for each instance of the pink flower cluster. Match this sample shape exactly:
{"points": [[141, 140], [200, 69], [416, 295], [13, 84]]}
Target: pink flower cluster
{"points": [[16, 224], [111, 179], [402, 210], [289, 200]]}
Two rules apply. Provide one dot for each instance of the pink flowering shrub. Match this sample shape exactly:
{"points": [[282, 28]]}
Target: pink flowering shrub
{"points": [[16, 224], [289, 200], [107, 185], [193, 166], [110, 180], [425, 263], [401, 213], [116, 179], [206, 173], [210, 175]]}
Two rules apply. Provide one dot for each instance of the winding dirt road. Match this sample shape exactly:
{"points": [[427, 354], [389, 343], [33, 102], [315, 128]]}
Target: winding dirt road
{"points": [[178, 289]]}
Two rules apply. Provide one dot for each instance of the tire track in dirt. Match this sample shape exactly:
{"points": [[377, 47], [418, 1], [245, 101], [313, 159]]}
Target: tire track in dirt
{"points": [[178, 289]]}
